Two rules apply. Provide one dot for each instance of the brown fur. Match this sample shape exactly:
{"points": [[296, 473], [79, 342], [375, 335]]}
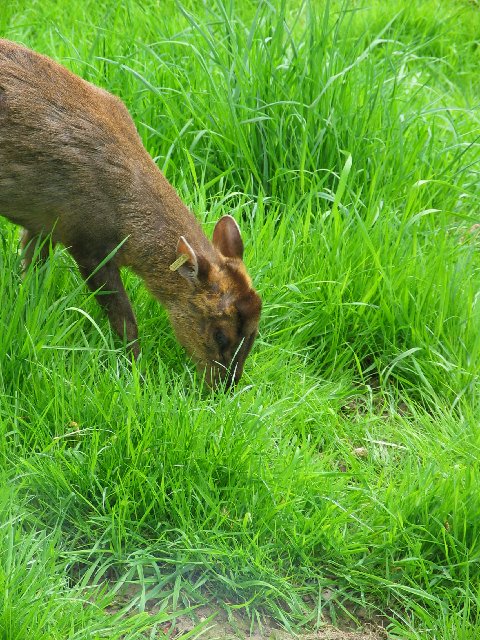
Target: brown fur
{"points": [[72, 164]]}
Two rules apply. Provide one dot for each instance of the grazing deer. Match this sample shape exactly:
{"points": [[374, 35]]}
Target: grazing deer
{"points": [[72, 165]]}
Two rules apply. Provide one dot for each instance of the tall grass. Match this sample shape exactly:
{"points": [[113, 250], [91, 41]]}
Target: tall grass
{"points": [[344, 471]]}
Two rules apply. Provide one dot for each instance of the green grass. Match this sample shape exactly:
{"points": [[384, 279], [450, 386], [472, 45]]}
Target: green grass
{"points": [[345, 140]]}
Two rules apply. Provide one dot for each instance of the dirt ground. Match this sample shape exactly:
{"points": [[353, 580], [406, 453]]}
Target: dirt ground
{"points": [[220, 628], [212, 622]]}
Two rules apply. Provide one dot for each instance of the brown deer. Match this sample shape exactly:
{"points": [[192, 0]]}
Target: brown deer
{"points": [[73, 165]]}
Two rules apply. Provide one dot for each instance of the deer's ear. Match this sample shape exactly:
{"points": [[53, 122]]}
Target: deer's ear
{"points": [[227, 238], [188, 264]]}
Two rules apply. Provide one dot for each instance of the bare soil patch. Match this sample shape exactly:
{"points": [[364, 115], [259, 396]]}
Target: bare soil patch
{"points": [[221, 628], [211, 622]]}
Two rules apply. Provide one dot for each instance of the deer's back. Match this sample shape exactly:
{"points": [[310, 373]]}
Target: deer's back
{"points": [[67, 148]]}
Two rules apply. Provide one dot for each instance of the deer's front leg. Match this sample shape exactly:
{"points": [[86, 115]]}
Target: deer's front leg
{"points": [[111, 295]]}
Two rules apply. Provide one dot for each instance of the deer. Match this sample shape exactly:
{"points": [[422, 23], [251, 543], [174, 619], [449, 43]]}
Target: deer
{"points": [[73, 169]]}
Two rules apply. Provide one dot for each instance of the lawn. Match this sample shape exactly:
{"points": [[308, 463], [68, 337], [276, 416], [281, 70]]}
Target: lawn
{"points": [[342, 476]]}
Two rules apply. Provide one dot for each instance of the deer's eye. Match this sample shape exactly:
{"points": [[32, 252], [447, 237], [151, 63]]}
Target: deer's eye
{"points": [[221, 339]]}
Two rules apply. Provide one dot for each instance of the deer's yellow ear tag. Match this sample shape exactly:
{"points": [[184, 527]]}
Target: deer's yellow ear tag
{"points": [[178, 262]]}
